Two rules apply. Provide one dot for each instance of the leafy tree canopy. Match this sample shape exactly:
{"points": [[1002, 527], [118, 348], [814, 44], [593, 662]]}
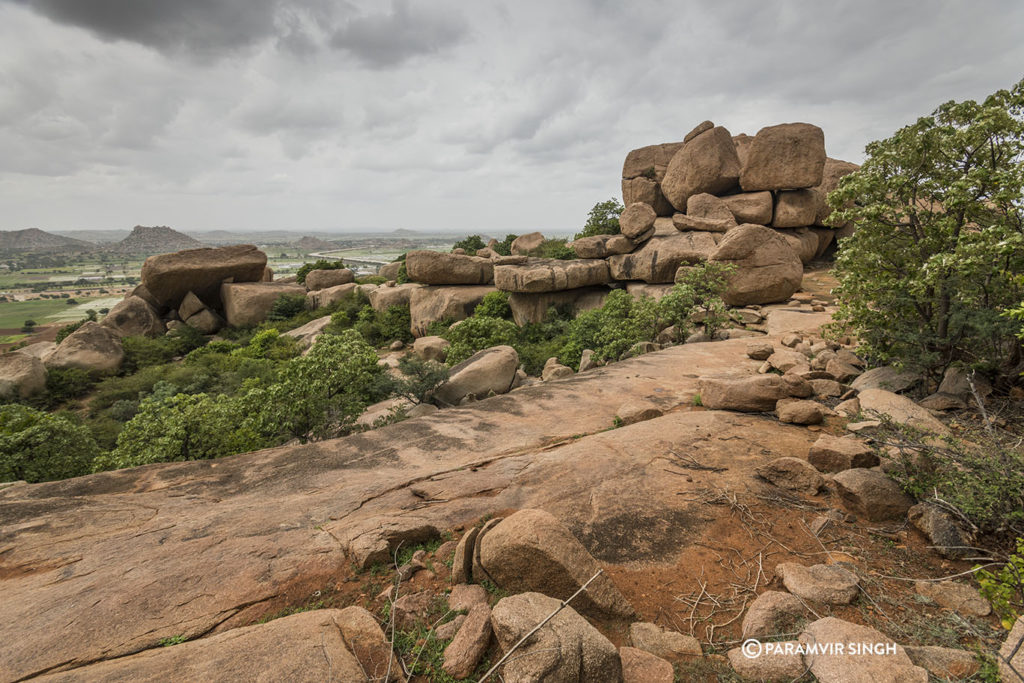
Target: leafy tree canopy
{"points": [[938, 253], [603, 219]]}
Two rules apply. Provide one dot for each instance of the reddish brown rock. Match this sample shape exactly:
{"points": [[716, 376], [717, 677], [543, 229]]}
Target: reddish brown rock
{"points": [[707, 163], [789, 156]]}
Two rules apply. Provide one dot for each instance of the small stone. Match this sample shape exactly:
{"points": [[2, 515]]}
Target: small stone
{"points": [[958, 597], [639, 666], [834, 454], [825, 583], [774, 662], [448, 630], [791, 340], [470, 643], [411, 609], [397, 345], [759, 350], [465, 596], [792, 474], [945, 663], [772, 613], [635, 411], [799, 412], [670, 645], [872, 495]]}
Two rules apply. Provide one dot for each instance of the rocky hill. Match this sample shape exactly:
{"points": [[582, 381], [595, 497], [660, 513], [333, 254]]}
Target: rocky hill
{"points": [[155, 240], [307, 243], [34, 239]]}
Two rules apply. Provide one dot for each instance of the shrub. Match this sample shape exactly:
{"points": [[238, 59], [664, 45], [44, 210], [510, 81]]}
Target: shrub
{"points": [[556, 249], [322, 264], [385, 326], [504, 247], [268, 345], [141, 352], [939, 248], [403, 275], [29, 327], [494, 305], [287, 306], [181, 427], [476, 334], [37, 446], [980, 475], [699, 291], [318, 395], [65, 384], [420, 379], [603, 219], [470, 244], [1005, 588]]}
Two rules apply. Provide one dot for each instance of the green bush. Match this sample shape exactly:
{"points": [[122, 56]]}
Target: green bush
{"points": [[504, 247], [1005, 588], [403, 275], [555, 248], [470, 244], [476, 334], [318, 395], [287, 306], [268, 345], [698, 291], [141, 352], [938, 253], [181, 427], [37, 446], [322, 264], [603, 219], [420, 379], [494, 305], [386, 326], [65, 384]]}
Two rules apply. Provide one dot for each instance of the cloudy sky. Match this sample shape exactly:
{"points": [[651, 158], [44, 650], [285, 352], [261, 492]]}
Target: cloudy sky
{"points": [[502, 116]]}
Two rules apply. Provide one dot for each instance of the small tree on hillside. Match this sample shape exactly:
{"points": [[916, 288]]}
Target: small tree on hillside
{"points": [[938, 253], [603, 219]]}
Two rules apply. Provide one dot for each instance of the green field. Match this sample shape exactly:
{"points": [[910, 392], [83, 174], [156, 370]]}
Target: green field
{"points": [[49, 311]]}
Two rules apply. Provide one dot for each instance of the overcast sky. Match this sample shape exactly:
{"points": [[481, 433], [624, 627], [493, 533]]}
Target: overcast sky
{"points": [[477, 116]]}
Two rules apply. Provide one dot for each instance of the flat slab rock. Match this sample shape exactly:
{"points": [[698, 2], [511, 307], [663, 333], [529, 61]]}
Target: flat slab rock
{"points": [[826, 583], [204, 547]]}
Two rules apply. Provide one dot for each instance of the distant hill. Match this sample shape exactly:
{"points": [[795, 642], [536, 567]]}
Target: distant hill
{"points": [[307, 243], [155, 240], [34, 239]]}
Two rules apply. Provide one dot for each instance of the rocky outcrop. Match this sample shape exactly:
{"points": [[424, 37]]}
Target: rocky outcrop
{"points": [[602, 246], [438, 268], [431, 348], [249, 303], [169, 277], [524, 245], [322, 279], [91, 347], [788, 156], [532, 308], [551, 275], [767, 268], [302, 647], [132, 316], [21, 376], [566, 648], [706, 163], [486, 372], [383, 298], [533, 551], [660, 257], [431, 303]]}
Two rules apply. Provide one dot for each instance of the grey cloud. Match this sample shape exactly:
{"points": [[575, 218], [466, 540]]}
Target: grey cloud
{"points": [[205, 28], [387, 39]]}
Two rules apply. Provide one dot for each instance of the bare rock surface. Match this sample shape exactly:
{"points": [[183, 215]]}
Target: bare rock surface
{"points": [[661, 256], [786, 156], [639, 666], [91, 347], [836, 454], [248, 303], [900, 409], [443, 302], [169, 277], [204, 547], [667, 644], [551, 275], [21, 375], [956, 596], [322, 279], [302, 647], [437, 268], [133, 316]]}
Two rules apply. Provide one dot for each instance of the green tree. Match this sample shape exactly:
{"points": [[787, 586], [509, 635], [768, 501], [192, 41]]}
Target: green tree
{"points": [[603, 219], [504, 247], [322, 264], [938, 252], [419, 379], [37, 446], [470, 244], [477, 333], [494, 305], [181, 427], [287, 306], [318, 395]]}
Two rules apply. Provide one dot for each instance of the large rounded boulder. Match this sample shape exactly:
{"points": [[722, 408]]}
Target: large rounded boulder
{"points": [[706, 163], [91, 347], [767, 268], [487, 371]]}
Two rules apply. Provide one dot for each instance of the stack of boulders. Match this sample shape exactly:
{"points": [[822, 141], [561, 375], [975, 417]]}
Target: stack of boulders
{"points": [[757, 203], [205, 289]]}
